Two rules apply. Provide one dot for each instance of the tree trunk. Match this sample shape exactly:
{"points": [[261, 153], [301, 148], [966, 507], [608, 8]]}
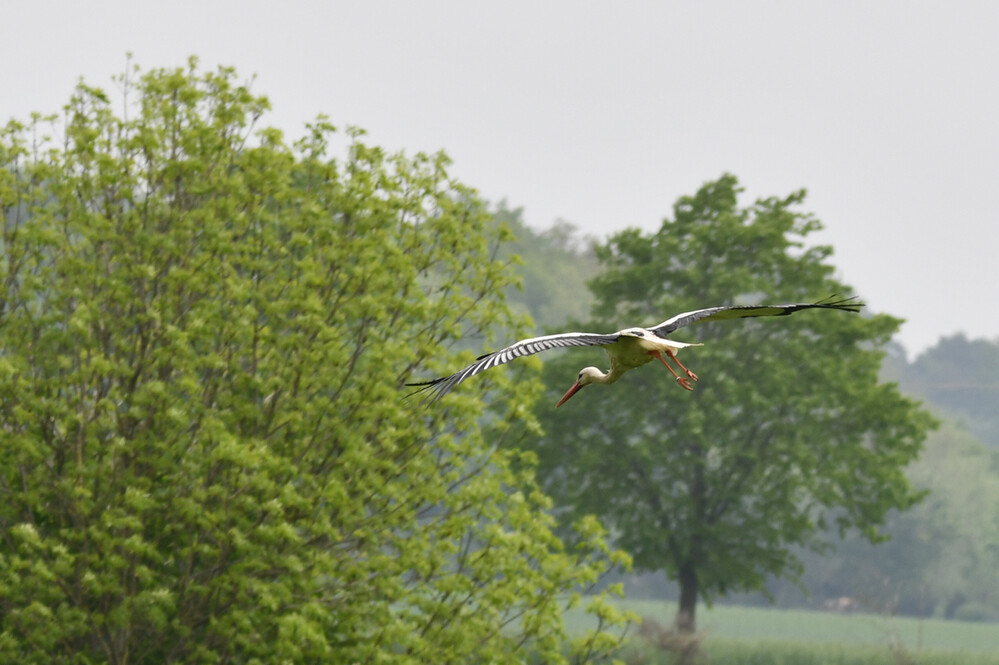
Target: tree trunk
{"points": [[686, 616]]}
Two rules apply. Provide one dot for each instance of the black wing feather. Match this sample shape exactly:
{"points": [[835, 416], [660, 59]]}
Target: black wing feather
{"points": [[746, 311], [525, 347]]}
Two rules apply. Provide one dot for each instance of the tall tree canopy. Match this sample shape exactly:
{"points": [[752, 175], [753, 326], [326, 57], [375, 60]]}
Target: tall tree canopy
{"points": [[203, 452], [787, 429]]}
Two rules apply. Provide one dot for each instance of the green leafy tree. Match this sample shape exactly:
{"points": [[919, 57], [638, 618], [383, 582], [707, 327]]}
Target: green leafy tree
{"points": [[787, 430], [203, 452]]}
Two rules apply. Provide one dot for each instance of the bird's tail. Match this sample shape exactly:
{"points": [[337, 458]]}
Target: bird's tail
{"points": [[683, 345]]}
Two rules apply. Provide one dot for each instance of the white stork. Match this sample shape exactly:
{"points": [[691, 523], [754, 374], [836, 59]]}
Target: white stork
{"points": [[627, 349]]}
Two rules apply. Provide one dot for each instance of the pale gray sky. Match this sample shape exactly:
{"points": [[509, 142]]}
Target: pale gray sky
{"points": [[603, 113]]}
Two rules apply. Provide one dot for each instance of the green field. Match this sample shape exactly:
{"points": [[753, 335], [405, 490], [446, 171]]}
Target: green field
{"points": [[840, 638]]}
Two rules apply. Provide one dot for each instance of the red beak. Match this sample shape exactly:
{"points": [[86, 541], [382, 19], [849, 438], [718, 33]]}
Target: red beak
{"points": [[572, 391]]}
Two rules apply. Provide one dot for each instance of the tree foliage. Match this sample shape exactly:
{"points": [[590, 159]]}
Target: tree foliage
{"points": [[788, 429], [203, 452]]}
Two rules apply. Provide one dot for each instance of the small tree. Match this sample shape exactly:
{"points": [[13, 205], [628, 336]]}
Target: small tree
{"points": [[203, 452], [787, 428]]}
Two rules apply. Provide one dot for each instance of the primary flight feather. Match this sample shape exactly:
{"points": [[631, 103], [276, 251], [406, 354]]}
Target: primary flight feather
{"points": [[627, 349]]}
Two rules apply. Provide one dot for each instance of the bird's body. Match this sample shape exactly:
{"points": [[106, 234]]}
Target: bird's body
{"points": [[633, 348], [626, 349]]}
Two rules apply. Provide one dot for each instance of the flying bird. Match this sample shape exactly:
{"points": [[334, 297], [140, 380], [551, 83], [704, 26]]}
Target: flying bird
{"points": [[627, 349]]}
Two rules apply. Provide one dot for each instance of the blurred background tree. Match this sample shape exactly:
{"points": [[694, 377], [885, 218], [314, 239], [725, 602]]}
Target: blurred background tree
{"points": [[553, 265]]}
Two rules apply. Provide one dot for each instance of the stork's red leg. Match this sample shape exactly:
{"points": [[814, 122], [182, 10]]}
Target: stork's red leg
{"points": [[682, 380], [672, 355]]}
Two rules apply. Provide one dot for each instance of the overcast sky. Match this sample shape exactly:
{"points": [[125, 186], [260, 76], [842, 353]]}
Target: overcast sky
{"points": [[603, 113]]}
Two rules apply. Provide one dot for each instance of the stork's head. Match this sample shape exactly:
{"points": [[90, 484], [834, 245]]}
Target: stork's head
{"points": [[587, 375]]}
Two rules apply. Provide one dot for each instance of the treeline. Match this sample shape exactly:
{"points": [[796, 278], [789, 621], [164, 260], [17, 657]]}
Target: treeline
{"points": [[942, 555], [960, 378]]}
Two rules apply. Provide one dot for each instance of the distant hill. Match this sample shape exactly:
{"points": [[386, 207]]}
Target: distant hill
{"points": [[959, 377], [555, 265]]}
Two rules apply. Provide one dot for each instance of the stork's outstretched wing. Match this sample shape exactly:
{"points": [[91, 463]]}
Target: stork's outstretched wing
{"points": [[525, 347], [747, 311]]}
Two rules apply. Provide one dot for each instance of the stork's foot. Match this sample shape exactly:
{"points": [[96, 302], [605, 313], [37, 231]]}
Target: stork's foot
{"points": [[677, 361], [682, 380]]}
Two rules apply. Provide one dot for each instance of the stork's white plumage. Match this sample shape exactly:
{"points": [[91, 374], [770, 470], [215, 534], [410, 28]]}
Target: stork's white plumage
{"points": [[627, 349]]}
